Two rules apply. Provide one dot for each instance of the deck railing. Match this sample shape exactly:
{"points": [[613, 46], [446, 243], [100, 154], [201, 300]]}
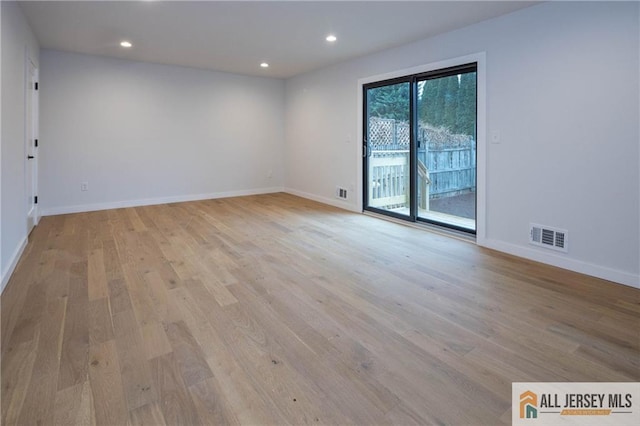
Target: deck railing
{"points": [[389, 176], [444, 169]]}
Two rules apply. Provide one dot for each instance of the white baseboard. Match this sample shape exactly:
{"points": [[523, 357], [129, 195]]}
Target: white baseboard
{"points": [[609, 274], [154, 201], [6, 274], [603, 272], [345, 205]]}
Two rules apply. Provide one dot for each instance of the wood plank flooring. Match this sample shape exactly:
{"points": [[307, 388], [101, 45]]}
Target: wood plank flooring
{"points": [[273, 309]]}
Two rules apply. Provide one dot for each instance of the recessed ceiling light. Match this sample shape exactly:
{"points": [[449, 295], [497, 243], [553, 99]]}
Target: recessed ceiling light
{"points": [[125, 43], [331, 38], [264, 65]]}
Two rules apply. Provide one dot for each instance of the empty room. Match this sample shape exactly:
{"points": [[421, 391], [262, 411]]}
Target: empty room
{"points": [[320, 212]]}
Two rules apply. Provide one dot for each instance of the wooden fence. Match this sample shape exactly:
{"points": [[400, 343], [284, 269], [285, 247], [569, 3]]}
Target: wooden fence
{"points": [[444, 169], [452, 171]]}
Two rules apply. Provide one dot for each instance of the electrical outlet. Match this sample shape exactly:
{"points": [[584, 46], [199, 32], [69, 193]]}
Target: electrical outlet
{"points": [[84, 186]]}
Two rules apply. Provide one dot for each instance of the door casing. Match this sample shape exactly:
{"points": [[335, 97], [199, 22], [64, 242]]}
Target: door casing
{"points": [[480, 59], [30, 149]]}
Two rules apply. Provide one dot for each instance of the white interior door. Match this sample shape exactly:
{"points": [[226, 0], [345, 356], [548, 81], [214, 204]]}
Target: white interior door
{"points": [[31, 145]]}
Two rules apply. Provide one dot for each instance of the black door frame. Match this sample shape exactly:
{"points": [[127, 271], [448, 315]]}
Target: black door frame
{"points": [[413, 80], [366, 152]]}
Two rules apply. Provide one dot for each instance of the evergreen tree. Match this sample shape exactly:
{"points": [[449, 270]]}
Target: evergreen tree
{"points": [[426, 106], [450, 110], [389, 102], [466, 119], [450, 102], [438, 102]]}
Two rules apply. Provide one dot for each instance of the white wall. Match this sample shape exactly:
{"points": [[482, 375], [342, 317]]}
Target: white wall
{"points": [[18, 41], [562, 90], [143, 133]]}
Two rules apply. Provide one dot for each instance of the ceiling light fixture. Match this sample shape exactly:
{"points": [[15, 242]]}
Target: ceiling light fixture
{"points": [[126, 44], [264, 65], [331, 38]]}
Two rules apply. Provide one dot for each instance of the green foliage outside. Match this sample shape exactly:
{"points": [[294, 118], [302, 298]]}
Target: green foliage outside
{"points": [[389, 102], [448, 102]]}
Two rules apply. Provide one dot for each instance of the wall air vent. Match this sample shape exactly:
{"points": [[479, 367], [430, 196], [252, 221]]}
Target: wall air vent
{"points": [[546, 236], [341, 193]]}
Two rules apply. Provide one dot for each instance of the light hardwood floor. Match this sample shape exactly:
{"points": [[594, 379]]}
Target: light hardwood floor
{"points": [[277, 310]]}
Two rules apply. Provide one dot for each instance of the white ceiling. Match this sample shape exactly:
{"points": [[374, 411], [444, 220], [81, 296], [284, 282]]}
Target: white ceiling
{"points": [[236, 36]]}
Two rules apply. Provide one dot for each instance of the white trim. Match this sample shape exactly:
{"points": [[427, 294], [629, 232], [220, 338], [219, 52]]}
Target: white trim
{"points": [[446, 63], [552, 259], [621, 277], [6, 274], [560, 261], [324, 200], [153, 201], [36, 135], [590, 269], [359, 150], [32, 102], [481, 144], [481, 147]]}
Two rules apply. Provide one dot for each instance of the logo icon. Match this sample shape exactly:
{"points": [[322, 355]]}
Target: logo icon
{"points": [[528, 405]]}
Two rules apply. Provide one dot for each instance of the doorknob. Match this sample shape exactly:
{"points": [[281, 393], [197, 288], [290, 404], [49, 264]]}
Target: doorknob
{"points": [[29, 157]]}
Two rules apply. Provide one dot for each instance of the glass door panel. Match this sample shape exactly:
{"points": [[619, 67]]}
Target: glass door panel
{"points": [[387, 148], [419, 147], [446, 153]]}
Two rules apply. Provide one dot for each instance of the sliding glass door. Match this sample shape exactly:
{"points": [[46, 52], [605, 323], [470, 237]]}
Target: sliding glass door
{"points": [[420, 147], [387, 148]]}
